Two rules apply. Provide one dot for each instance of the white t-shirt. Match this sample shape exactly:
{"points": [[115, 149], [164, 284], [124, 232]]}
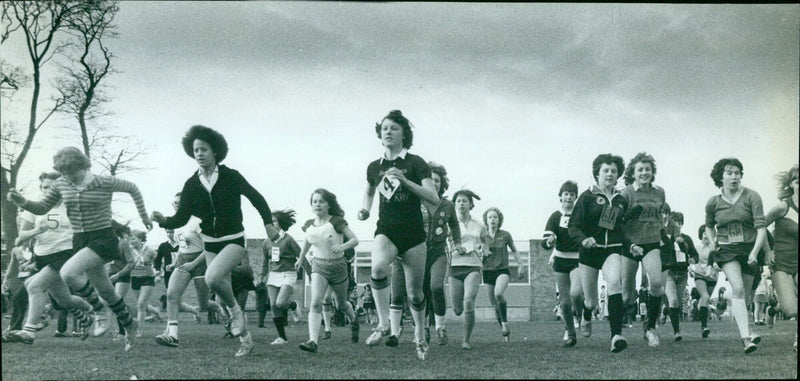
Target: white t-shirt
{"points": [[58, 236], [188, 237]]}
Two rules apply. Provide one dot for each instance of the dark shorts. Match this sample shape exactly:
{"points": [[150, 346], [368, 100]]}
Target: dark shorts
{"points": [[103, 242], [216, 247], [138, 281], [55, 260], [198, 271], [242, 279], [490, 276], [646, 248], [564, 265], [596, 256], [461, 272], [123, 279], [785, 261], [736, 252], [403, 238], [710, 284]]}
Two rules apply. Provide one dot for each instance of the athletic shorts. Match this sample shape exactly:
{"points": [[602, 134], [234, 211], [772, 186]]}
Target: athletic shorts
{"points": [[103, 242], [490, 276], [242, 279], [760, 298], [138, 281], [646, 248], [785, 262], [461, 272], [403, 237], [198, 271], [55, 260], [333, 270], [596, 256], [216, 247], [710, 285], [564, 265], [282, 278], [736, 252]]}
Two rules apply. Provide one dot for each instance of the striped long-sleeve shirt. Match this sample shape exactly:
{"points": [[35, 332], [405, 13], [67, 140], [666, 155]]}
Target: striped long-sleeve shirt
{"points": [[88, 209]]}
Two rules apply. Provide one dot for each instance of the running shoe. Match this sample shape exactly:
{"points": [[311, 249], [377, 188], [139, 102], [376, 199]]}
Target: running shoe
{"points": [[749, 345], [309, 346], [42, 325], [392, 341], [465, 345], [586, 328], [441, 336], [422, 350], [166, 340], [376, 336], [755, 338], [102, 323], [237, 322], [130, 335], [246, 347], [677, 336], [570, 339], [652, 338], [19, 337], [83, 328], [354, 331], [618, 343], [279, 341], [326, 335], [706, 332], [506, 332]]}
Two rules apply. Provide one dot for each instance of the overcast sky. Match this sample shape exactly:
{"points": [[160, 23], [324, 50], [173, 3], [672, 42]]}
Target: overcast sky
{"points": [[513, 99]]}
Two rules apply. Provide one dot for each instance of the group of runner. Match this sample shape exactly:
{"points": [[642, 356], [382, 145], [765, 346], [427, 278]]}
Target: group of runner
{"points": [[420, 237]]}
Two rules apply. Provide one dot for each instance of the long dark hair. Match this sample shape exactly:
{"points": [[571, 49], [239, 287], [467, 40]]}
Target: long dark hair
{"points": [[334, 209]]}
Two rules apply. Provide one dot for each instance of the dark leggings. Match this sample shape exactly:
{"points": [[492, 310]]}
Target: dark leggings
{"points": [[20, 307]]}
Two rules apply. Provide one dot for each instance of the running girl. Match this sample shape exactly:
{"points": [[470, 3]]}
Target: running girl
{"points": [[495, 266], [282, 273], [705, 273], [402, 179]]}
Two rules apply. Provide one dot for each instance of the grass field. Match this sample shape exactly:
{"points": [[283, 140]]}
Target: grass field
{"points": [[535, 351]]}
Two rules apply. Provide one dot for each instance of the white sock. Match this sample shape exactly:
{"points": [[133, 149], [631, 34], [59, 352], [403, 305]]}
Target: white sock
{"points": [[394, 320], [419, 319], [314, 322], [172, 328], [440, 320], [382, 306], [739, 311]]}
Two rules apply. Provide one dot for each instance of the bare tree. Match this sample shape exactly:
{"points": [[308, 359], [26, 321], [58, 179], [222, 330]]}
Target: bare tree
{"points": [[118, 153], [39, 22], [12, 78], [82, 86]]}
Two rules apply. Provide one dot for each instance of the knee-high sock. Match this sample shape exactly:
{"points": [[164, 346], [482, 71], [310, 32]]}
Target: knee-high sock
{"points": [[395, 316], [502, 306], [739, 311], [587, 313], [90, 294], [615, 311], [653, 305], [279, 325], [121, 311], [380, 293], [569, 322], [675, 318], [314, 321], [703, 315]]}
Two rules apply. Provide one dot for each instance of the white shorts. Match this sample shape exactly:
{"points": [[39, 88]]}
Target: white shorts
{"points": [[280, 279]]}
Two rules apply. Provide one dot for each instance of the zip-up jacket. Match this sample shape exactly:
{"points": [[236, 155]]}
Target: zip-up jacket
{"points": [[586, 219], [221, 209]]}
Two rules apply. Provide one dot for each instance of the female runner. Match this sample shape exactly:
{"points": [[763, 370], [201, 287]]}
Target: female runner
{"points": [[495, 265]]}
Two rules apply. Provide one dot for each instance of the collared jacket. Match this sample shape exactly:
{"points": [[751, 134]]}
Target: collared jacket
{"points": [[596, 216]]}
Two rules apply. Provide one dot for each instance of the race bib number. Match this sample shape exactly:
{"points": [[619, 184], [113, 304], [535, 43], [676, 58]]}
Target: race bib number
{"points": [[387, 187], [181, 241], [609, 217], [735, 233], [274, 254], [564, 222]]}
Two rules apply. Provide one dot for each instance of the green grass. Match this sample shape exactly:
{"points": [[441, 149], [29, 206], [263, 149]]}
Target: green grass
{"points": [[203, 354]]}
